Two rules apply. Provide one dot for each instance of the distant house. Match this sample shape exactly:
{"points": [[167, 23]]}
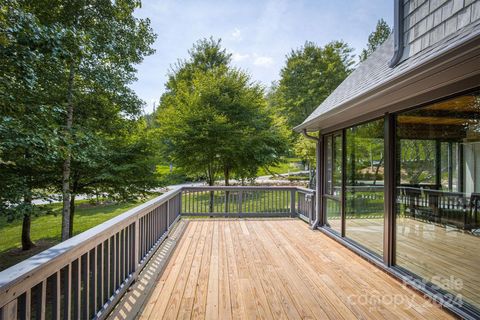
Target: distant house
{"points": [[399, 153]]}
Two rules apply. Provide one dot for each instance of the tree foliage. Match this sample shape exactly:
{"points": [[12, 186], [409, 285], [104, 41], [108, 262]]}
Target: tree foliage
{"points": [[66, 103], [214, 119], [103, 41], [29, 53], [310, 74], [376, 38]]}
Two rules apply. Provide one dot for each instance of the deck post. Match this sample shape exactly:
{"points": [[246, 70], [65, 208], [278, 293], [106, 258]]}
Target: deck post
{"points": [[9, 311], [319, 152], [168, 215], [137, 245]]}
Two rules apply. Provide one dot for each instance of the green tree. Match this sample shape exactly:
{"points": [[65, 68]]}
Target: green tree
{"points": [[104, 41], [29, 53], [119, 163], [215, 121], [376, 38], [206, 54], [310, 74]]}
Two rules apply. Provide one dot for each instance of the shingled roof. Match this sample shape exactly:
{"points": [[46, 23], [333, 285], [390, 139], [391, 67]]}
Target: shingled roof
{"points": [[375, 73]]}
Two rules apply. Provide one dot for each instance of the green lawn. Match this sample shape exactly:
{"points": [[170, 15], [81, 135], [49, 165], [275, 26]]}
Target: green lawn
{"points": [[288, 165], [252, 202], [46, 229]]}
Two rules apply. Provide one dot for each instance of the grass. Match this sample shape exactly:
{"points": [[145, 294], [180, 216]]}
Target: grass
{"points": [[166, 177], [287, 165], [46, 228], [252, 202]]}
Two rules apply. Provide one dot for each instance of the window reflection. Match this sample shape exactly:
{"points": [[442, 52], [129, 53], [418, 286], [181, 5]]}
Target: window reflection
{"points": [[438, 184], [333, 188], [364, 198]]}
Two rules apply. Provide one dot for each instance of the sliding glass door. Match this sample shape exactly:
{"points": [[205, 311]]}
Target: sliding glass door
{"points": [[353, 197], [438, 195], [364, 185], [333, 181]]}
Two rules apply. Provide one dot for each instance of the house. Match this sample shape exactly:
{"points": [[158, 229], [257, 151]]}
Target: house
{"points": [[398, 184], [399, 153]]}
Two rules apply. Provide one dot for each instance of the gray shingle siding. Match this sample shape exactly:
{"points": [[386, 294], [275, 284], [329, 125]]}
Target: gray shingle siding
{"points": [[429, 21]]}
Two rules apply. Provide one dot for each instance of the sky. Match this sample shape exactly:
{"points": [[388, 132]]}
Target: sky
{"points": [[258, 33]]}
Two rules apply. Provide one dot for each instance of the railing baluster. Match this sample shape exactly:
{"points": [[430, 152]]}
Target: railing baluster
{"points": [[67, 291], [28, 305], [86, 285], [126, 244], [115, 264], [293, 193], [58, 295], [119, 260], [100, 277], [9, 311], [124, 254]]}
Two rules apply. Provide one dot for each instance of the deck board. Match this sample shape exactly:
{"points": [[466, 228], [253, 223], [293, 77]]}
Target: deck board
{"points": [[275, 269]]}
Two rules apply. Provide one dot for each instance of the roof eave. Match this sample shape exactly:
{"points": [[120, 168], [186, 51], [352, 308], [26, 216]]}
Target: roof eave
{"points": [[436, 61]]}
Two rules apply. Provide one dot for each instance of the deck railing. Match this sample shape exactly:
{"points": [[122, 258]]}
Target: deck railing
{"points": [[246, 201], [85, 276]]}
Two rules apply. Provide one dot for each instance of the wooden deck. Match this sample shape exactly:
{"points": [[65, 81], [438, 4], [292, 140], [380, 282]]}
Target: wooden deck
{"points": [[274, 269]]}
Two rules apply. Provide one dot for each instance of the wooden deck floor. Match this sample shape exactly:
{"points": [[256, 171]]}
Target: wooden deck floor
{"points": [[274, 269]]}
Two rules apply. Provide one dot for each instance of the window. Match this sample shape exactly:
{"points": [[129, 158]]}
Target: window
{"points": [[438, 195], [333, 180], [364, 198]]}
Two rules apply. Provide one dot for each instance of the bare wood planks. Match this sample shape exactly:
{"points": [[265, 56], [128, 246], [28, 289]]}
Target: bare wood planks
{"points": [[274, 269]]}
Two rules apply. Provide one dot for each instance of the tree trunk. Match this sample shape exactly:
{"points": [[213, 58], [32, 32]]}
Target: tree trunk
{"points": [[72, 214], [72, 204], [376, 171], [27, 243], [226, 173], [68, 158]]}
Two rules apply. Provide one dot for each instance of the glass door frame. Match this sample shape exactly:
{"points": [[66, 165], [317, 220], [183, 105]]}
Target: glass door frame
{"points": [[325, 194]]}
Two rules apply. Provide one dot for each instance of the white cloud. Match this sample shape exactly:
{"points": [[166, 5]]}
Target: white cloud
{"points": [[252, 58], [237, 57], [237, 34], [263, 61]]}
